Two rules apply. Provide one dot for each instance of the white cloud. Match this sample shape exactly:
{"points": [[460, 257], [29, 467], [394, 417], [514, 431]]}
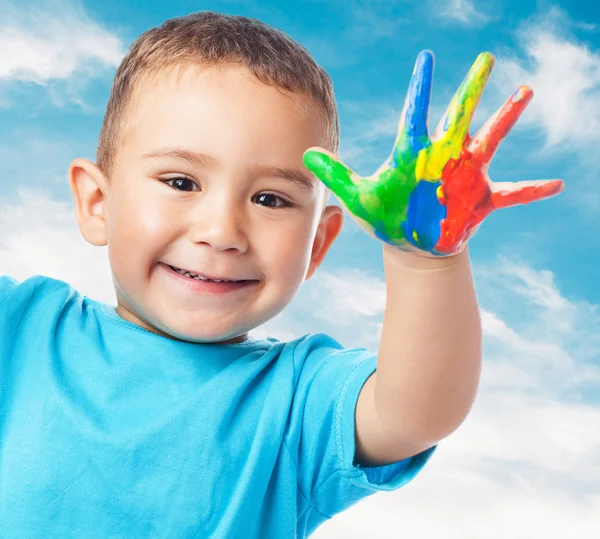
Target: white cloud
{"points": [[347, 304], [526, 461], [351, 294], [563, 72], [565, 76], [53, 41], [461, 11], [40, 236]]}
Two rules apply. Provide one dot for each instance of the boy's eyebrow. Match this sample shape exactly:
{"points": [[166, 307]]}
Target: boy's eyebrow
{"points": [[182, 154], [298, 177]]}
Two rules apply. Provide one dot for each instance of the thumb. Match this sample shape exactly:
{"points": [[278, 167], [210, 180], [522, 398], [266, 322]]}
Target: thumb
{"points": [[332, 172]]}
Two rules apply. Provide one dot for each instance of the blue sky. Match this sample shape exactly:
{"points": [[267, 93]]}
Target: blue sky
{"points": [[530, 451]]}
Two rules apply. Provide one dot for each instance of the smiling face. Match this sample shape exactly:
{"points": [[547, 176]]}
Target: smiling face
{"points": [[209, 178]]}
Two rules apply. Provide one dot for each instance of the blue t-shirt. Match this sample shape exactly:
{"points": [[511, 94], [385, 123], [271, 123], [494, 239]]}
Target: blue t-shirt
{"points": [[110, 431]]}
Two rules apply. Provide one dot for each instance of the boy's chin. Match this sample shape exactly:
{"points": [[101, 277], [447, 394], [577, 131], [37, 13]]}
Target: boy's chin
{"points": [[200, 337], [177, 330]]}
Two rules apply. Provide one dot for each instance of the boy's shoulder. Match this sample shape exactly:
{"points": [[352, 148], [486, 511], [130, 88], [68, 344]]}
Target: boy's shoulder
{"points": [[318, 349], [14, 289]]}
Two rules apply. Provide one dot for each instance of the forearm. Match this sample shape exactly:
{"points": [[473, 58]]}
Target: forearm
{"points": [[429, 359]]}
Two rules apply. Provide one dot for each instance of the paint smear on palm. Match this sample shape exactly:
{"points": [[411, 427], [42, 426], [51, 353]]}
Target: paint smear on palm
{"points": [[434, 193], [396, 179], [420, 223], [467, 192], [428, 204]]}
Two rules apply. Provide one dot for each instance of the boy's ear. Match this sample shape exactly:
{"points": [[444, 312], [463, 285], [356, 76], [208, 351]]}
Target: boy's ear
{"points": [[329, 227], [88, 185]]}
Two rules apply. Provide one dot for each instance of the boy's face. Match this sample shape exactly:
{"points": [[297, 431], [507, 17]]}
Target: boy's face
{"points": [[202, 182]]}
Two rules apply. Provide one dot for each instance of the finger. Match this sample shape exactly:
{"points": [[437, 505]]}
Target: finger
{"points": [[416, 107], [486, 141], [454, 126], [333, 173], [412, 129], [506, 194]]}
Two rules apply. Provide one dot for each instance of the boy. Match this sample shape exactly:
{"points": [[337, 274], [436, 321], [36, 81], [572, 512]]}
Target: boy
{"points": [[162, 417]]}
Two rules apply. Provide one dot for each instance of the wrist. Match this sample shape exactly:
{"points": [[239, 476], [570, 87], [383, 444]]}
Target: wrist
{"points": [[417, 260]]}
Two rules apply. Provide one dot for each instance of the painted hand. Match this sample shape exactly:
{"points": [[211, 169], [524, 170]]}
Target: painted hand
{"points": [[432, 193]]}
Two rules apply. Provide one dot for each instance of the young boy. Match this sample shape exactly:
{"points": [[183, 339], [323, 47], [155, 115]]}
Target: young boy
{"points": [[162, 417]]}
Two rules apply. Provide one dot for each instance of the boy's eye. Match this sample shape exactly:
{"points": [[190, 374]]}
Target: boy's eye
{"points": [[271, 200], [179, 181]]}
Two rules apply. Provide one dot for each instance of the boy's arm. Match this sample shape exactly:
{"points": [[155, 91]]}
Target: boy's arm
{"points": [[429, 359], [424, 203]]}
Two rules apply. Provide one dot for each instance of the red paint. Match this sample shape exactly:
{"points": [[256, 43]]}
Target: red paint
{"points": [[467, 191], [485, 143]]}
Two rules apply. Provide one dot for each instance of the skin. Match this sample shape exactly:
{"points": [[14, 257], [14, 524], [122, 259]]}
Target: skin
{"points": [[431, 195], [424, 203], [214, 221]]}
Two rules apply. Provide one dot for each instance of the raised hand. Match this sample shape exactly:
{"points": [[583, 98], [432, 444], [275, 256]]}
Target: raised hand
{"points": [[431, 195]]}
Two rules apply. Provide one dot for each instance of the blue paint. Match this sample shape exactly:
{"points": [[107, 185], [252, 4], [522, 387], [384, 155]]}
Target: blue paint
{"points": [[419, 96], [414, 136], [424, 214]]}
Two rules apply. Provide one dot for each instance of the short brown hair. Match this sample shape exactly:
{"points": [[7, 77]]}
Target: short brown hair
{"points": [[208, 38]]}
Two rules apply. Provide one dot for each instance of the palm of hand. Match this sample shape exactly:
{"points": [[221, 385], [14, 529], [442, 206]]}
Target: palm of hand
{"points": [[433, 192]]}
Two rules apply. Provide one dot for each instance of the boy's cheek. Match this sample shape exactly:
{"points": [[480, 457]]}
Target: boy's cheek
{"points": [[294, 256]]}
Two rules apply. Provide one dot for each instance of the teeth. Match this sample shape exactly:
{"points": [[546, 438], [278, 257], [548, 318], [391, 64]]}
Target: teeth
{"points": [[200, 278]]}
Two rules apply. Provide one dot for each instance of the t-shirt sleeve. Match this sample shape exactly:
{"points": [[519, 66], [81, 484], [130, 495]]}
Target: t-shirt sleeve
{"points": [[328, 386]]}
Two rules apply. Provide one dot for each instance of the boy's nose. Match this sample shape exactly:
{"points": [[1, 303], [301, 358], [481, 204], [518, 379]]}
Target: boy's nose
{"points": [[219, 224]]}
